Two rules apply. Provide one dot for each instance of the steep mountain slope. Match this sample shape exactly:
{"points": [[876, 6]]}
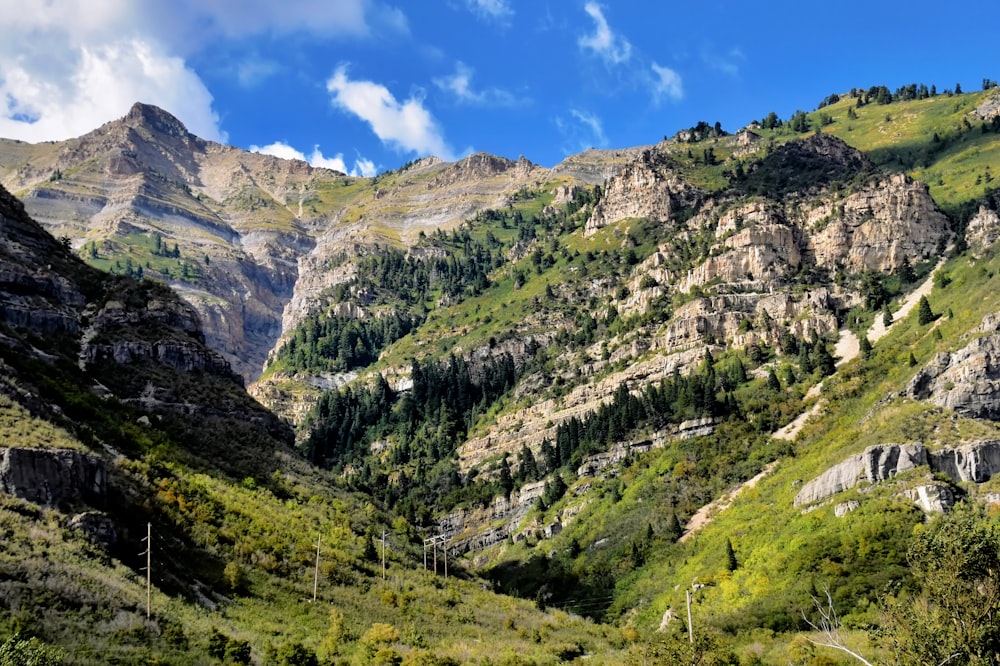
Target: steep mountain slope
{"points": [[115, 417], [249, 240], [553, 370]]}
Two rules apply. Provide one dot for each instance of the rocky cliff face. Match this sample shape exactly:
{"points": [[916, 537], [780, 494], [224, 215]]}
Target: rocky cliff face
{"points": [[646, 188], [975, 462], [118, 337], [53, 478], [259, 238], [966, 381]]}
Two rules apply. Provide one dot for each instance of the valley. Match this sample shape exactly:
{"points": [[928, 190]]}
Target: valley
{"points": [[755, 364]]}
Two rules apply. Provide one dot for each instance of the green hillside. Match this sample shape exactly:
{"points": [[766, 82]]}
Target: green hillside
{"points": [[268, 545]]}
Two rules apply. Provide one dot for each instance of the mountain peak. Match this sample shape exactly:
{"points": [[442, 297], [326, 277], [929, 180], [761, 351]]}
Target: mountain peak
{"points": [[155, 119]]}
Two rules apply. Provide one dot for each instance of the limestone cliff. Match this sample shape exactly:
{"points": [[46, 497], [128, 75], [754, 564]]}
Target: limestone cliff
{"points": [[968, 380], [258, 239], [975, 462]]}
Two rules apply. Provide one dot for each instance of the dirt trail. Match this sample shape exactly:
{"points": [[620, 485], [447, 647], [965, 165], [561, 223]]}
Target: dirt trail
{"points": [[705, 514], [847, 349]]}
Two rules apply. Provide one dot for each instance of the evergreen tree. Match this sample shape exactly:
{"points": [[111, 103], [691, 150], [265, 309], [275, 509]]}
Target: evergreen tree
{"points": [[506, 479], [886, 316], [527, 466], [731, 563], [924, 313], [866, 347], [772, 380]]}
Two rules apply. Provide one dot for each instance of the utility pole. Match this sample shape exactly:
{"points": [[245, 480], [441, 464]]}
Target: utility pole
{"points": [[690, 626], [383, 553], [433, 543], [149, 561], [316, 570]]}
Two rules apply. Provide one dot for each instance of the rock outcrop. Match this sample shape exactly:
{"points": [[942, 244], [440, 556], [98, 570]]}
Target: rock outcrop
{"points": [[984, 229], [966, 381], [646, 188], [53, 477], [874, 464], [975, 462]]}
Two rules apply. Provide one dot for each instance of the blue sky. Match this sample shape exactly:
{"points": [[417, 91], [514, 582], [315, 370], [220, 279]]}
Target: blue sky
{"points": [[366, 85]]}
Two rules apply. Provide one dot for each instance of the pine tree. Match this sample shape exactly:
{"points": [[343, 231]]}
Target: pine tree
{"points": [[772, 380], [912, 360], [886, 316], [866, 348], [924, 313], [506, 479], [731, 563]]}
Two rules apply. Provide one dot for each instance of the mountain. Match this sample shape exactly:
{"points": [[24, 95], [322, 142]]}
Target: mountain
{"points": [[120, 424], [246, 238], [752, 363]]}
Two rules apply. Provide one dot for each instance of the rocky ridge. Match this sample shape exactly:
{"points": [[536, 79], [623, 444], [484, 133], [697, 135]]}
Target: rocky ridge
{"points": [[966, 381], [260, 235]]}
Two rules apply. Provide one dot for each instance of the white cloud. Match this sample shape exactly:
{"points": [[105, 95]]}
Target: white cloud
{"points": [[460, 84], [728, 62], [613, 48], [667, 83], [362, 166], [491, 9], [581, 131], [68, 66], [85, 86], [407, 126]]}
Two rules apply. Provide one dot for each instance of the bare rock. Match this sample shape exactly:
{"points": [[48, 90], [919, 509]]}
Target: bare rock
{"points": [[646, 188], [97, 526], [977, 461], [874, 464], [966, 381], [845, 508], [984, 228], [53, 477], [931, 498]]}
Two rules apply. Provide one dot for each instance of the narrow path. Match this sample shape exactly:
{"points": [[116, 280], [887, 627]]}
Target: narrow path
{"points": [[705, 514]]}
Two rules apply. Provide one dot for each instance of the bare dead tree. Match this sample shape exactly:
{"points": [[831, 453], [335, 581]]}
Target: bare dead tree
{"points": [[828, 628]]}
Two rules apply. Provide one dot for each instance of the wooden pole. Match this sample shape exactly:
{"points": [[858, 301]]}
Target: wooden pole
{"points": [[316, 570], [149, 571], [445, 548], [690, 627], [383, 553]]}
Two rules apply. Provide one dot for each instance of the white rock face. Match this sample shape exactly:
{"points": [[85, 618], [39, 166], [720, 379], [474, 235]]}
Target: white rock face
{"points": [[984, 229], [975, 461], [874, 464]]}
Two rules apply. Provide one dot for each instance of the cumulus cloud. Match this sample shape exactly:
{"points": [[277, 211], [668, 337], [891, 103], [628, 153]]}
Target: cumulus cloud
{"points": [[490, 9], [362, 166], [86, 86], [605, 42], [406, 126], [67, 66], [460, 85], [667, 83]]}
